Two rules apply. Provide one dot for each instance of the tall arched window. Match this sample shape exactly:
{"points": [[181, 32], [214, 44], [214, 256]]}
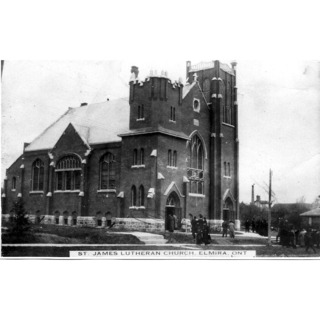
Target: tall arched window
{"points": [[13, 183], [135, 157], [68, 173], [37, 175], [195, 171], [141, 196], [196, 150], [140, 112], [174, 159], [107, 172], [169, 157], [141, 156], [133, 196]]}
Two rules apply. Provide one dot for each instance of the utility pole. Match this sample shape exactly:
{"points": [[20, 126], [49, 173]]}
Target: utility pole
{"points": [[269, 211]]}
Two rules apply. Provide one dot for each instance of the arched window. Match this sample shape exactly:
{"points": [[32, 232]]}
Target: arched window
{"points": [[13, 183], [169, 158], [140, 112], [37, 175], [68, 173], [195, 171], [133, 196], [107, 172], [196, 150], [141, 156], [174, 159], [135, 157], [172, 113], [141, 196]]}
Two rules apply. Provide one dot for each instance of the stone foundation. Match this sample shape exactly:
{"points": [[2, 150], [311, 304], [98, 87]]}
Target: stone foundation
{"points": [[140, 224], [134, 224]]}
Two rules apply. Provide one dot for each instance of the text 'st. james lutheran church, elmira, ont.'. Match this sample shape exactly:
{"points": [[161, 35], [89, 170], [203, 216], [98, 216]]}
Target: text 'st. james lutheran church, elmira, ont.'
{"points": [[173, 148]]}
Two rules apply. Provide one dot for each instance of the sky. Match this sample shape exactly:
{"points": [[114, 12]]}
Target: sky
{"points": [[279, 113]]}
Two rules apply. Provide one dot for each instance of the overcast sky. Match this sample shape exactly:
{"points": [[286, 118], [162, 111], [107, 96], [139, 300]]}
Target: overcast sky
{"points": [[279, 113]]}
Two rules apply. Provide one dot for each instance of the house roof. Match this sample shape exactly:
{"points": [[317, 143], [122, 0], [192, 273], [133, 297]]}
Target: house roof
{"points": [[95, 123], [311, 213]]}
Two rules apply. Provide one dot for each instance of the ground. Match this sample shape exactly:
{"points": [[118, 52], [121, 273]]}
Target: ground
{"points": [[57, 241]]}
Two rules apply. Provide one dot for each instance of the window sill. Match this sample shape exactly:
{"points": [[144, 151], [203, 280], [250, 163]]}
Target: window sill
{"points": [[142, 119], [13, 190], [197, 195], [36, 192], [138, 166], [228, 124], [66, 191], [137, 208], [172, 121], [107, 191], [227, 177], [171, 167]]}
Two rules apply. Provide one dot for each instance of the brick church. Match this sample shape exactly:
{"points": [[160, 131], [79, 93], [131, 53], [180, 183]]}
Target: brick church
{"points": [[173, 148]]}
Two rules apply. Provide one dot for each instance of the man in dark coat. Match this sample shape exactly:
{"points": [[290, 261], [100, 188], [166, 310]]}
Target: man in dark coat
{"points": [[200, 230], [253, 225], [194, 226], [170, 223], [308, 239], [206, 236], [225, 228]]}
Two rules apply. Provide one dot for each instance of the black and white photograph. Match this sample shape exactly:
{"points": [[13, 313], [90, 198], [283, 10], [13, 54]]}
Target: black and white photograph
{"points": [[117, 159], [159, 159]]}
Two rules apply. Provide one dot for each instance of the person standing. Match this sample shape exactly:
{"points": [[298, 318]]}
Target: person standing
{"points": [[175, 222], [308, 240], [200, 230], [194, 226], [247, 225], [225, 228], [253, 225], [231, 229], [206, 235], [170, 223]]}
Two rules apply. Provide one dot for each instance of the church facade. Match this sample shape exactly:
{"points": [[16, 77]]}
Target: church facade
{"points": [[173, 148]]}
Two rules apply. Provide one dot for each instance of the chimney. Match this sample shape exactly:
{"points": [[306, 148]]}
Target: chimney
{"points": [[188, 67], [135, 70], [258, 199], [234, 65], [252, 194]]}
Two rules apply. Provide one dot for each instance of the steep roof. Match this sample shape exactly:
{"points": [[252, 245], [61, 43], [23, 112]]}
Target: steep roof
{"points": [[96, 123]]}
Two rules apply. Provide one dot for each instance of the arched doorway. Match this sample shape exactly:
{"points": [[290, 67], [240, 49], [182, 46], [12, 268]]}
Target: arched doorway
{"points": [[228, 210], [173, 207]]}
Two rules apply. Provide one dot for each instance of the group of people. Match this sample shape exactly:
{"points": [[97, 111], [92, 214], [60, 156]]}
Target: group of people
{"points": [[228, 226], [200, 230], [289, 236], [260, 226]]}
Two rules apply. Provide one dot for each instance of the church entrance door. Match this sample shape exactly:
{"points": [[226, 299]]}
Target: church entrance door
{"points": [[173, 208]]}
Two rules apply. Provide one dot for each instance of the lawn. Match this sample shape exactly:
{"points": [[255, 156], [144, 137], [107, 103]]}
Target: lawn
{"points": [[70, 235]]}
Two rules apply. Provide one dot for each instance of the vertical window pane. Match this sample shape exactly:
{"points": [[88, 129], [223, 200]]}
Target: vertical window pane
{"points": [[67, 175], [59, 180], [41, 178], [135, 156], [35, 186], [77, 179], [142, 156], [133, 196]]}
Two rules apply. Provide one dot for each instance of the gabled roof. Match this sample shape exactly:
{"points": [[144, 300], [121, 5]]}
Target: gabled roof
{"points": [[187, 88], [95, 123]]}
